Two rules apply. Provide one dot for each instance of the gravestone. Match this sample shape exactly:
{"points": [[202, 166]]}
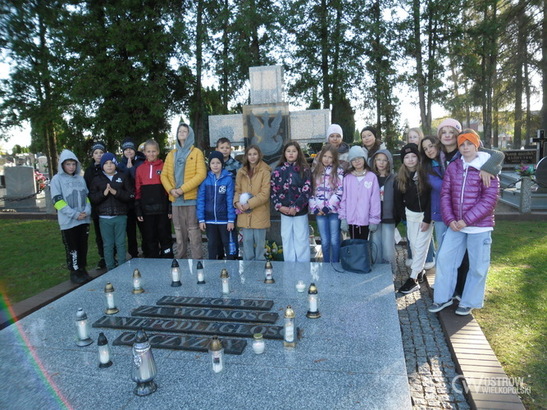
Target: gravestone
{"points": [[351, 357], [20, 189], [267, 121]]}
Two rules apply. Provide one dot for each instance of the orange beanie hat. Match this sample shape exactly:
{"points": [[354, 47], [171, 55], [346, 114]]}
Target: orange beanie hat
{"points": [[472, 138]]}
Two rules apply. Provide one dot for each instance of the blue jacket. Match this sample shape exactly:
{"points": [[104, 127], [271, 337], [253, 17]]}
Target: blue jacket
{"points": [[215, 199], [435, 179]]}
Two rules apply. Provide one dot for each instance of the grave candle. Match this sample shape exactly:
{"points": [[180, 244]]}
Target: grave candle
{"points": [[268, 273], [217, 354], [258, 343], [110, 304], [137, 282], [225, 278], [175, 274], [289, 339], [83, 329], [201, 276], [104, 351], [313, 300]]}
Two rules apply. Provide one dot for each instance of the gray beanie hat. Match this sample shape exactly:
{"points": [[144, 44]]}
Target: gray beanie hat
{"points": [[357, 152]]}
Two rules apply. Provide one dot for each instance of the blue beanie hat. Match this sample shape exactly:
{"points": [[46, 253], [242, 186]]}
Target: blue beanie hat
{"points": [[218, 155], [108, 157], [129, 143], [98, 145]]}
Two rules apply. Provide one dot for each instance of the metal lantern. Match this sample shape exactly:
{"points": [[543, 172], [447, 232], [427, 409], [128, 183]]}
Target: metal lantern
{"points": [[144, 366]]}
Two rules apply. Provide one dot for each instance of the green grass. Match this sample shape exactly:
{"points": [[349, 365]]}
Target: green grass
{"points": [[34, 257], [514, 314], [513, 318]]}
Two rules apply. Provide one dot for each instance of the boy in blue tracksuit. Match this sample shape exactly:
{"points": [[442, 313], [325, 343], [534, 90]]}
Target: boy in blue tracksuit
{"points": [[215, 212]]}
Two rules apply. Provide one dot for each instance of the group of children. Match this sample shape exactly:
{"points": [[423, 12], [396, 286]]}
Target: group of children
{"points": [[444, 184]]}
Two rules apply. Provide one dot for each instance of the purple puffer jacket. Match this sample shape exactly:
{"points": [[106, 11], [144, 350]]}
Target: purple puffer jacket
{"points": [[464, 196]]}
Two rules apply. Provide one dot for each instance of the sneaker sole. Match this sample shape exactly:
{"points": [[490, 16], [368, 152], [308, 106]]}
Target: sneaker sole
{"points": [[406, 292], [462, 313], [443, 306]]}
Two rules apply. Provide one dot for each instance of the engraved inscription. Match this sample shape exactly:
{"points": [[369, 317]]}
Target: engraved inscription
{"points": [[191, 326], [206, 314], [182, 342], [250, 304]]}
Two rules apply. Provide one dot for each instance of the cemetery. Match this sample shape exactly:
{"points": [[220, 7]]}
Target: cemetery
{"points": [[344, 354]]}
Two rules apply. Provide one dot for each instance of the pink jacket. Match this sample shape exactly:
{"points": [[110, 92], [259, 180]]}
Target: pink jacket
{"points": [[360, 204], [325, 198], [464, 196]]}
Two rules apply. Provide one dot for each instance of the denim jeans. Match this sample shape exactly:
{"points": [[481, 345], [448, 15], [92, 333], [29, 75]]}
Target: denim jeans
{"points": [[383, 239], [440, 229], [450, 257], [329, 230]]}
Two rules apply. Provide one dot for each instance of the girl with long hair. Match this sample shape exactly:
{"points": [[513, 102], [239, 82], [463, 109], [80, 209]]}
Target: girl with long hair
{"points": [[290, 192], [327, 178], [384, 237], [413, 205], [252, 202]]}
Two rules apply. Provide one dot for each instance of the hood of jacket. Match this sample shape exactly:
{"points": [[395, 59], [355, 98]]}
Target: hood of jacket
{"points": [[66, 155], [389, 158], [189, 141], [478, 162]]}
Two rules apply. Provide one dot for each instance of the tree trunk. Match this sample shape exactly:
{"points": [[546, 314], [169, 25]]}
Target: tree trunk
{"points": [[198, 115], [255, 43], [420, 79], [325, 54], [528, 92], [225, 51], [543, 65], [521, 49], [47, 116], [336, 92]]}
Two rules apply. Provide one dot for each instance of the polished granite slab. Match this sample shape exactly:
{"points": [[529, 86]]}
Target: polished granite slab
{"points": [[351, 357]]}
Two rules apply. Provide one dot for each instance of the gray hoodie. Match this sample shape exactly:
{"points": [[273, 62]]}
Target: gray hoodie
{"points": [[69, 194], [388, 208]]}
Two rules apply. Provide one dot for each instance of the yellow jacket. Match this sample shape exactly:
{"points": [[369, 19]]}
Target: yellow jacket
{"points": [[194, 174], [259, 187]]}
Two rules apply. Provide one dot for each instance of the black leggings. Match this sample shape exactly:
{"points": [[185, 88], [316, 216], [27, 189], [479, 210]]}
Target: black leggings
{"points": [[75, 241], [358, 232]]}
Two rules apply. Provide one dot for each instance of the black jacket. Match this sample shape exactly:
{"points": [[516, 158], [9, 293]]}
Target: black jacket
{"points": [[111, 205]]}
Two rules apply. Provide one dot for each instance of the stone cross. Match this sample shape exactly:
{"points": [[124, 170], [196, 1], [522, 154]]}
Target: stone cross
{"points": [[267, 121]]}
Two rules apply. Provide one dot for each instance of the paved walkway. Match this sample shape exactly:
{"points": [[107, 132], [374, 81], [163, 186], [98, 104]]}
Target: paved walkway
{"points": [[429, 364]]}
